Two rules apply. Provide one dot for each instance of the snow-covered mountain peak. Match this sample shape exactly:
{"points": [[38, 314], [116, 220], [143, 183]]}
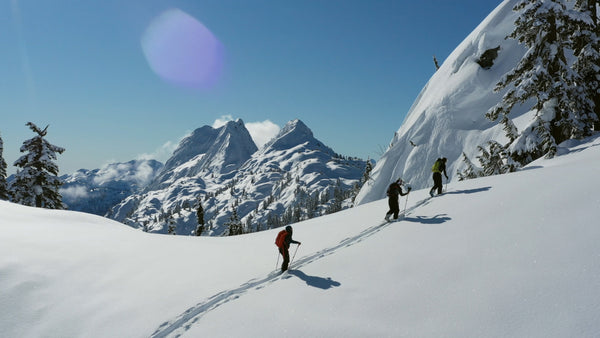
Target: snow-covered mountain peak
{"points": [[224, 169], [208, 140], [218, 150], [293, 134]]}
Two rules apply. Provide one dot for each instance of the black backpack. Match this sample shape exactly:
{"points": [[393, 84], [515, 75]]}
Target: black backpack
{"points": [[390, 189]]}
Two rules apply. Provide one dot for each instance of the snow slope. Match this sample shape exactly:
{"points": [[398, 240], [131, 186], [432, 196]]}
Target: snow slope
{"points": [[448, 116], [512, 255]]}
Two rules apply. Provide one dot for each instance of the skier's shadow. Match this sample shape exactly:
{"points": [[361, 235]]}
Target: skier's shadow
{"points": [[437, 219], [314, 281], [469, 191]]}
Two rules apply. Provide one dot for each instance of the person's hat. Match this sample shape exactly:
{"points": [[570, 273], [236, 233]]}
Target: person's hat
{"points": [[288, 228]]}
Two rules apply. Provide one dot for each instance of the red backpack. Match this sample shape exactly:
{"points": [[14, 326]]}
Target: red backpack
{"points": [[280, 238]]}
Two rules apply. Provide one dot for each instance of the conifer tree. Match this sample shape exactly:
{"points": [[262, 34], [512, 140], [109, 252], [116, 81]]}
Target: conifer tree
{"points": [[37, 183], [367, 174], [494, 161], [470, 171], [3, 185], [200, 217], [545, 76], [234, 225], [584, 28], [172, 227]]}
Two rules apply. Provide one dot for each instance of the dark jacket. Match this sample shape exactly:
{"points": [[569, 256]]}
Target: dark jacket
{"points": [[394, 189], [288, 240]]}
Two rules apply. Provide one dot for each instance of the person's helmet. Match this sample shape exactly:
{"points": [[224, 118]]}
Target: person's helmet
{"points": [[288, 228], [444, 159], [399, 181]]}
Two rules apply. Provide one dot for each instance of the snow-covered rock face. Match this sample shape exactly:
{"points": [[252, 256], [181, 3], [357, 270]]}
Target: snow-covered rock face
{"points": [[218, 151], [448, 116], [224, 169], [292, 171]]}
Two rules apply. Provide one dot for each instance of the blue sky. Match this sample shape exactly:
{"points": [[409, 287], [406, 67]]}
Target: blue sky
{"points": [[350, 69]]}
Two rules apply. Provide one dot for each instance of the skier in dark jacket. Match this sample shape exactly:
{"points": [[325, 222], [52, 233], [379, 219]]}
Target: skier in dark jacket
{"points": [[285, 246], [393, 190], [438, 168]]}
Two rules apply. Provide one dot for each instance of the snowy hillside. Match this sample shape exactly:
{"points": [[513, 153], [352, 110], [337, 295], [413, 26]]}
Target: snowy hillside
{"points": [[292, 177], [96, 191], [447, 118], [513, 255]]}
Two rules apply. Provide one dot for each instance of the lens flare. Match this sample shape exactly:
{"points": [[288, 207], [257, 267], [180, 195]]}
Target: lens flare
{"points": [[182, 51]]}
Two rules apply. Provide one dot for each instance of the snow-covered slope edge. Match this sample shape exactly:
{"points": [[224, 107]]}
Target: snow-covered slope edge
{"points": [[509, 255], [447, 118]]}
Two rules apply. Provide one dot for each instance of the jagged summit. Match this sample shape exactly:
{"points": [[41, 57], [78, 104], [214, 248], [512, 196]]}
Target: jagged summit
{"points": [[208, 140], [293, 134], [224, 169], [218, 150], [197, 143]]}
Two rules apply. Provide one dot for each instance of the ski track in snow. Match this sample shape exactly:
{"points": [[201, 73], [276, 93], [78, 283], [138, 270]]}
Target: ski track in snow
{"points": [[182, 323]]}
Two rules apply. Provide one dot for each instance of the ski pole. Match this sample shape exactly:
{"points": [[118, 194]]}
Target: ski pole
{"points": [[277, 264], [294, 254], [405, 202]]}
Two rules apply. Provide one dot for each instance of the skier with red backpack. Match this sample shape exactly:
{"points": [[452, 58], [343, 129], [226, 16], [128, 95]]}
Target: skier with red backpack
{"points": [[283, 241]]}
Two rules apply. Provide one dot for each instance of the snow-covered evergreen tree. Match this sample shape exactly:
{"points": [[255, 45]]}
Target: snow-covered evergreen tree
{"points": [[234, 225], [494, 161], [37, 183], [367, 173], [172, 228], [3, 186], [545, 75], [470, 171], [584, 28], [200, 218]]}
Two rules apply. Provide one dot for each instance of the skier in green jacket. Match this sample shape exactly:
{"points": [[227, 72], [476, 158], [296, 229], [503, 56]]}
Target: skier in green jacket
{"points": [[438, 168]]}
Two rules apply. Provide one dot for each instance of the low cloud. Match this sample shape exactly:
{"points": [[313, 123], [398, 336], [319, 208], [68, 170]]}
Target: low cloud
{"points": [[261, 132], [143, 173], [164, 152], [221, 121], [74, 192], [140, 173]]}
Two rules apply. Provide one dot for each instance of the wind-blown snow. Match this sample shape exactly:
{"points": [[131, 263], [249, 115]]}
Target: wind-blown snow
{"points": [[513, 255]]}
